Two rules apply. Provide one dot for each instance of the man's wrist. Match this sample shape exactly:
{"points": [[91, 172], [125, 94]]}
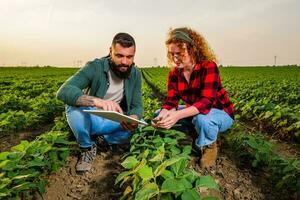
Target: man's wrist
{"points": [[85, 100]]}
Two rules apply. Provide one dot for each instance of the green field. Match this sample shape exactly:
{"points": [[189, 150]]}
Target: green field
{"points": [[267, 96], [266, 99]]}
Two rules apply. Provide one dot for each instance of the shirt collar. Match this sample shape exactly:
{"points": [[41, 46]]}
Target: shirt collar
{"points": [[196, 67], [106, 64]]}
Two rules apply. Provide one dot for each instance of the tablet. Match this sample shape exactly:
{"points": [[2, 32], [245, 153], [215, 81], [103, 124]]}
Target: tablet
{"points": [[115, 116]]}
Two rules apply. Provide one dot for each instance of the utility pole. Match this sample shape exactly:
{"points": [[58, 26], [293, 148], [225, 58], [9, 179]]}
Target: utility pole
{"points": [[275, 57], [79, 62], [155, 62], [23, 64]]}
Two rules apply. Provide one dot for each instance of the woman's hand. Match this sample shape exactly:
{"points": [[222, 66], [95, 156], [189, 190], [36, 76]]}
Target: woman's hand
{"points": [[166, 119], [162, 115]]}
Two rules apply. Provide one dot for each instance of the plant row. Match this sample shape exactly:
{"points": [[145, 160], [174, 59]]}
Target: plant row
{"points": [[24, 169], [260, 95]]}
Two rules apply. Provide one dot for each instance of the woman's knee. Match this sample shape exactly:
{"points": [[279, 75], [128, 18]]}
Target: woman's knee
{"points": [[207, 125], [200, 120]]}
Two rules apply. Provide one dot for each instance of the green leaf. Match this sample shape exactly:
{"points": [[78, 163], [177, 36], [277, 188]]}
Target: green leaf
{"points": [[157, 141], [160, 169], [130, 162], [160, 153], [191, 176], [166, 196], [140, 165], [53, 156], [122, 175], [175, 185], [148, 191], [24, 186], [21, 147], [4, 194], [166, 174], [175, 150], [62, 141], [179, 167], [190, 194], [267, 115], [3, 155], [146, 172], [170, 141], [4, 163], [148, 129], [41, 186], [63, 155], [135, 183], [25, 176], [207, 181], [4, 182], [16, 156], [145, 153], [10, 165], [187, 150], [37, 162], [127, 191]]}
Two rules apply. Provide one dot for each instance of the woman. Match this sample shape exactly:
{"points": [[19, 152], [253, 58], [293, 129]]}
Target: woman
{"points": [[195, 79]]}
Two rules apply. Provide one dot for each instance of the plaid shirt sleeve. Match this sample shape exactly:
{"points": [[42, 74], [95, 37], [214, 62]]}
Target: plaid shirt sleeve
{"points": [[209, 83], [172, 96]]}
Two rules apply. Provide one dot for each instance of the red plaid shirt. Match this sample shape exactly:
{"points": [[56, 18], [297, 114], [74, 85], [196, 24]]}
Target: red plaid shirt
{"points": [[204, 90]]}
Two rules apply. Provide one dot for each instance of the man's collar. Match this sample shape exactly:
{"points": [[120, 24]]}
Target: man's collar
{"points": [[106, 64]]}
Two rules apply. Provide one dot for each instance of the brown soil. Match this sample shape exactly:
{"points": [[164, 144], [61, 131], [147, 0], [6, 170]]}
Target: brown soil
{"points": [[237, 180], [8, 141], [287, 149], [95, 184]]}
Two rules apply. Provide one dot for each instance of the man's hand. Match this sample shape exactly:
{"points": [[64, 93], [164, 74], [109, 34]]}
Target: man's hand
{"points": [[86, 100], [107, 105], [129, 126]]}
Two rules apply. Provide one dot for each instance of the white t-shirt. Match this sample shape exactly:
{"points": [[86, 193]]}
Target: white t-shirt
{"points": [[115, 89]]}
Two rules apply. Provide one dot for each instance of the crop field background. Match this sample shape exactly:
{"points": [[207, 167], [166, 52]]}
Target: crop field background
{"points": [[259, 156]]}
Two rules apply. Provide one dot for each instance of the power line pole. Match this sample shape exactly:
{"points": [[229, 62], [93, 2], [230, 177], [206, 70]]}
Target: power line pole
{"points": [[275, 57], [155, 62]]}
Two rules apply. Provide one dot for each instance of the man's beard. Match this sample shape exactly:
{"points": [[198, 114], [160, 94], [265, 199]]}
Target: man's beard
{"points": [[115, 68]]}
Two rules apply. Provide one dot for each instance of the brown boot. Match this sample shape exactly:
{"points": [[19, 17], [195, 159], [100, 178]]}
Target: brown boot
{"points": [[209, 156]]}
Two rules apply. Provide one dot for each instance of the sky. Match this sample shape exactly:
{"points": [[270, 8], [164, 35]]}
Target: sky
{"points": [[69, 33]]}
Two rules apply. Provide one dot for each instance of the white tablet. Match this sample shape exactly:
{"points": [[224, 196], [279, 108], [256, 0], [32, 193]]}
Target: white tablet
{"points": [[115, 116]]}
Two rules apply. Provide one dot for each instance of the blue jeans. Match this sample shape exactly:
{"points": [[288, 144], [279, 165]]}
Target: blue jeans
{"points": [[207, 126], [85, 125]]}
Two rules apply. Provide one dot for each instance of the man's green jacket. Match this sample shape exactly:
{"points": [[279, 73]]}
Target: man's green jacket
{"points": [[94, 77]]}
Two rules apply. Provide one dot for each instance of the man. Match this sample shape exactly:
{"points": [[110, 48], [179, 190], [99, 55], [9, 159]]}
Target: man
{"points": [[112, 83]]}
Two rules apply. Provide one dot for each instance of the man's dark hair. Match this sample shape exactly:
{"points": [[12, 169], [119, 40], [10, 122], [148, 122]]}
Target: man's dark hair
{"points": [[124, 39]]}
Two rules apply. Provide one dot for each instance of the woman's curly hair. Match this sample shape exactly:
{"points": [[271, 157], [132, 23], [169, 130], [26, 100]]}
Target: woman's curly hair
{"points": [[198, 49]]}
